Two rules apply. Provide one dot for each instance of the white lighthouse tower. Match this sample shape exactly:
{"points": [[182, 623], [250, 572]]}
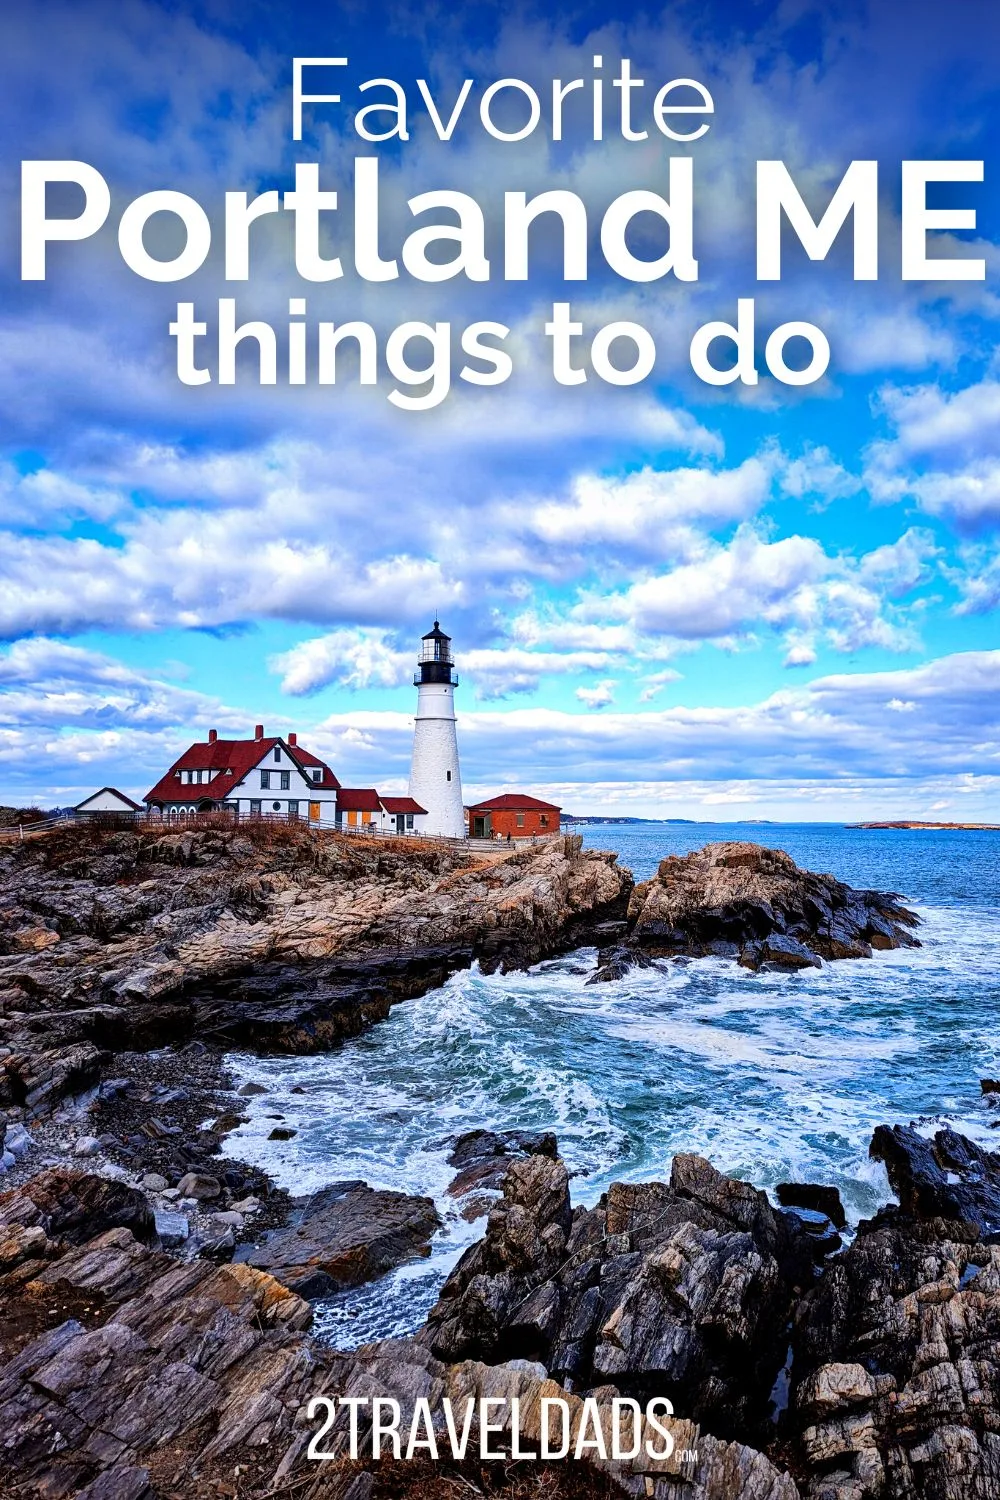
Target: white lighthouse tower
{"points": [[435, 778]]}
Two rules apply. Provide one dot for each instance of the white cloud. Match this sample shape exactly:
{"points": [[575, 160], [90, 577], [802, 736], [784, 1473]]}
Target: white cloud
{"points": [[944, 453], [598, 696], [651, 510], [816, 474]]}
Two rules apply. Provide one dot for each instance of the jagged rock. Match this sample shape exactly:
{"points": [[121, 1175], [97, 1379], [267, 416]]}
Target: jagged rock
{"points": [[343, 1236], [682, 1290], [755, 904], [895, 1367], [615, 963], [948, 1177], [778, 952], [822, 1200], [482, 1158], [75, 1205]]}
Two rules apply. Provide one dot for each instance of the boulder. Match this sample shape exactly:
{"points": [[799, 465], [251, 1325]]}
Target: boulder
{"points": [[344, 1236], [199, 1185], [483, 1156], [76, 1205]]}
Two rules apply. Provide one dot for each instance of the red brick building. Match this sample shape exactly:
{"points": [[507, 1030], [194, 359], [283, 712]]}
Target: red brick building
{"points": [[514, 814]]}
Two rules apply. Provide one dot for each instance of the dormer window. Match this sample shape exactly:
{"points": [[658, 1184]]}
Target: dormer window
{"points": [[277, 752], [317, 775]]}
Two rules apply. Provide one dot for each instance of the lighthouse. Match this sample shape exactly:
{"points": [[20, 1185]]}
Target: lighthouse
{"points": [[435, 778]]}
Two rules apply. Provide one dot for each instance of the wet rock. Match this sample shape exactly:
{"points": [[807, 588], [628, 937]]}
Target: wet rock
{"points": [[948, 1177], [250, 1090], [344, 1236], [778, 952], [819, 1228], [758, 902], [483, 1156], [615, 962], [282, 1133], [823, 1200]]}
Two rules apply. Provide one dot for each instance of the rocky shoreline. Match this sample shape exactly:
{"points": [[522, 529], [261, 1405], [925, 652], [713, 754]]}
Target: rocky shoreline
{"points": [[133, 1257], [795, 1375]]}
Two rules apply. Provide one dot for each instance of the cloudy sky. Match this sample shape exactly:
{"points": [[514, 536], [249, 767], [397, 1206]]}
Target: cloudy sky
{"points": [[667, 598]]}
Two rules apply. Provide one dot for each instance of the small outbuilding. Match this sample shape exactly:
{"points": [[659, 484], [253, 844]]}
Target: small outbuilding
{"points": [[514, 815], [109, 802], [404, 815]]}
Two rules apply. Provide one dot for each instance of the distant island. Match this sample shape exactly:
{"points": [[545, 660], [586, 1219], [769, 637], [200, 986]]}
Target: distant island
{"points": [[992, 827], [569, 818]]}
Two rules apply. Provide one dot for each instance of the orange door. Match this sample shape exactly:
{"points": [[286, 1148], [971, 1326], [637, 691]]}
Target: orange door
{"points": [[314, 812]]}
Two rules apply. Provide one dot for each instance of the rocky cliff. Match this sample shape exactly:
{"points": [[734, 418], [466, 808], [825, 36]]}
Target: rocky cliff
{"points": [[755, 905], [271, 937]]}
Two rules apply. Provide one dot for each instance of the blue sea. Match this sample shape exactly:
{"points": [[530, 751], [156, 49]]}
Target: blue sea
{"points": [[771, 1076]]}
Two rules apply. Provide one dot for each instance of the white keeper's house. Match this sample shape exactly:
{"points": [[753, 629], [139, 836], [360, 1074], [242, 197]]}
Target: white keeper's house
{"points": [[271, 777], [264, 776]]}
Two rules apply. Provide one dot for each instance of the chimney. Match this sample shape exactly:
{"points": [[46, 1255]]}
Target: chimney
{"points": [[258, 732], [293, 740], [213, 735]]}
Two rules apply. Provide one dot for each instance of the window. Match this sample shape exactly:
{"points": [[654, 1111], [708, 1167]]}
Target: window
{"points": [[544, 820], [409, 820], [275, 806], [277, 752], [254, 809], [293, 809], [317, 775], [520, 820], [447, 775], [265, 781], [283, 780]]}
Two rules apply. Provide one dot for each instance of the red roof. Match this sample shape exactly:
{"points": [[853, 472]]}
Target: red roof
{"points": [[402, 805], [359, 799], [306, 758], [222, 756], [514, 801]]}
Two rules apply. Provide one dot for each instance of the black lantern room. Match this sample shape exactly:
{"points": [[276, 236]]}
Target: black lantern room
{"points": [[436, 661]]}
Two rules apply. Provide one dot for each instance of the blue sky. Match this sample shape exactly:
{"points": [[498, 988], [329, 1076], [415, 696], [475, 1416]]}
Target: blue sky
{"points": [[665, 599]]}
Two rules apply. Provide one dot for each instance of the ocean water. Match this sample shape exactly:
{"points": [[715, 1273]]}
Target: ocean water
{"points": [[771, 1076]]}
